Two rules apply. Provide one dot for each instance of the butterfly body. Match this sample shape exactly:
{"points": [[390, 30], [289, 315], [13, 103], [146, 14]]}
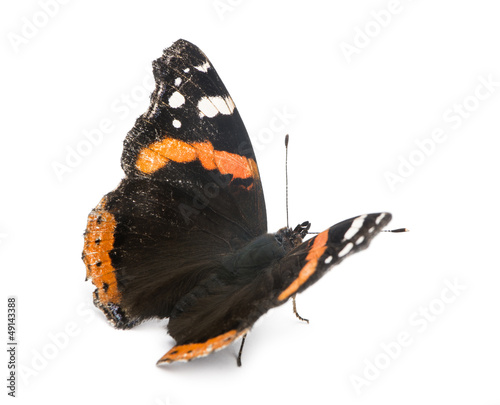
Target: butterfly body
{"points": [[184, 235]]}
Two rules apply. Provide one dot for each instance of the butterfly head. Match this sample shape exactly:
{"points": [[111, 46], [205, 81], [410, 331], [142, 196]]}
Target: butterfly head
{"points": [[293, 237]]}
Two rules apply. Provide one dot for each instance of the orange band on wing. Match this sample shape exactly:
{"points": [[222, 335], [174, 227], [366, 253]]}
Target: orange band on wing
{"points": [[192, 350], [158, 154], [99, 240], [205, 153], [317, 250], [230, 163]]}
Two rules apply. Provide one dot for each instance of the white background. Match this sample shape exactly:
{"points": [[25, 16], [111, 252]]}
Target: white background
{"points": [[67, 69]]}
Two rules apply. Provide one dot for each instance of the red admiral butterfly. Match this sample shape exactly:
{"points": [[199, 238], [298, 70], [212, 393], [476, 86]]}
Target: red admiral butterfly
{"points": [[184, 235]]}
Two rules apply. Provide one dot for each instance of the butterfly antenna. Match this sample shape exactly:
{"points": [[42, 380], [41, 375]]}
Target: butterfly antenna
{"points": [[397, 230], [286, 178]]}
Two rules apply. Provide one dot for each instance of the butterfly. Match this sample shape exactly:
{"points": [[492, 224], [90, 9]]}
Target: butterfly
{"points": [[184, 235]]}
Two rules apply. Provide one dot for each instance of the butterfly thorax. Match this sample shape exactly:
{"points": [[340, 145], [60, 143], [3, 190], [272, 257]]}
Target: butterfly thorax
{"points": [[262, 251]]}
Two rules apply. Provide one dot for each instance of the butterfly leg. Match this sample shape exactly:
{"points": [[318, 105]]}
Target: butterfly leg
{"points": [[238, 360], [295, 310]]}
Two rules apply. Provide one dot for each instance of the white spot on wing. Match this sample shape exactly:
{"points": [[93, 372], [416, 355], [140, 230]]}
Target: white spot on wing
{"points": [[328, 260], [355, 227], [230, 104], [186, 70], [207, 108], [176, 123], [224, 105], [360, 240], [211, 106], [379, 218], [176, 100], [203, 67], [178, 82], [347, 249]]}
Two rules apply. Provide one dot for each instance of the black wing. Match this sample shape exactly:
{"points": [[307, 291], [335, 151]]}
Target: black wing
{"points": [[192, 194], [307, 263]]}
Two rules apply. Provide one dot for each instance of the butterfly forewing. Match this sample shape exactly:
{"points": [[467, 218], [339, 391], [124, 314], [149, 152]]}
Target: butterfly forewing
{"points": [[192, 192]]}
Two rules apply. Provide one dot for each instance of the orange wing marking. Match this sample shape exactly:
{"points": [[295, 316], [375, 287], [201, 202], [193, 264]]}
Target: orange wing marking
{"points": [[158, 154], [99, 240], [317, 250], [192, 350]]}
